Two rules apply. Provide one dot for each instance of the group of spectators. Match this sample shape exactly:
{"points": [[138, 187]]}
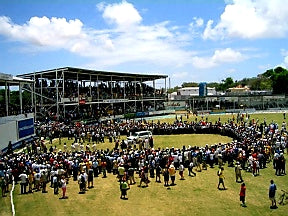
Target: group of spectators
{"points": [[254, 145], [109, 90]]}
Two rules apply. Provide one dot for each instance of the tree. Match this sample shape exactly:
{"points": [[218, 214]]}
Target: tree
{"points": [[190, 84], [225, 84], [279, 79], [170, 90]]}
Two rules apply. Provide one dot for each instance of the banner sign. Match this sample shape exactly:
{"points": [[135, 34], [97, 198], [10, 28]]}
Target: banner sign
{"points": [[142, 114], [115, 100], [25, 128], [82, 101]]}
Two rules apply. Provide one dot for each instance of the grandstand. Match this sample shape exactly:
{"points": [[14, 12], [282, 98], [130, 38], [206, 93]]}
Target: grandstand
{"points": [[16, 120], [75, 93]]}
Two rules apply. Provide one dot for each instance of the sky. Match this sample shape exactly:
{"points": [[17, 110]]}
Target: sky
{"points": [[188, 40]]}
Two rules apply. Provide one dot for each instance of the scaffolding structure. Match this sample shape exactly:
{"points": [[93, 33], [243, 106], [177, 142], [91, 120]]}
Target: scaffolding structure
{"points": [[68, 90], [9, 82]]}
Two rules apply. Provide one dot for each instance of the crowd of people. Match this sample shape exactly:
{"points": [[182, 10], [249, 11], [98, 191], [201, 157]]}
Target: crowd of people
{"points": [[254, 145], [116, 90]]}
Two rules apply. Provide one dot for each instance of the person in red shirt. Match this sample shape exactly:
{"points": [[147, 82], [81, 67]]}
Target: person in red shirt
{"points": [[103, 167], [243, 194]]}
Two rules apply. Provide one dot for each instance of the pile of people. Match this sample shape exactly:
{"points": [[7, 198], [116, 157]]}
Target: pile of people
{"points": [[251, 149]]}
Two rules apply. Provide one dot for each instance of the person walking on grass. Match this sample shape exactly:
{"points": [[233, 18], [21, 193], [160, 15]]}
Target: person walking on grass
{"points": [[143, 178], [82, 182], [124, 187], [238, 169], [181, 171], [166, 176], [272, 193], [55, 184], [190, 169], [158, 173], [172, 173], [43, 181], [63, 187], [23, 182], [221, 178], [90, 178], [3, 186], [243, 195]]}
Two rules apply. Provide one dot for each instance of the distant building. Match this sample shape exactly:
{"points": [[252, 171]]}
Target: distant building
{"points": [[238, 90], [187, 92], [195, 91]]}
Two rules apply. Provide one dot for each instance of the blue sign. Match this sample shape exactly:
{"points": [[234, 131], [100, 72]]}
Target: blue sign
{"points": [[202, 89], [25, 128], [142, 114]]}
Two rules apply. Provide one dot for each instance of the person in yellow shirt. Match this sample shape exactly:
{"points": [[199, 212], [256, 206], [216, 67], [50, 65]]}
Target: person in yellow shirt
{"points": [[30, 181], [172, 173], [221, 178]]}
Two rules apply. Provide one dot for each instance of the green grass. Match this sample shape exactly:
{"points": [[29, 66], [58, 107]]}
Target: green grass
{"points": [[193, 196]]}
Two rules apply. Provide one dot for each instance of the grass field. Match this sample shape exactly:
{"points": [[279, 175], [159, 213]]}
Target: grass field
{"points": [[193, 196]]}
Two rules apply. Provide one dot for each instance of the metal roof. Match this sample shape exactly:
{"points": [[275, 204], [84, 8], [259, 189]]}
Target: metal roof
{"points": [[70, 73], [12, 80]]}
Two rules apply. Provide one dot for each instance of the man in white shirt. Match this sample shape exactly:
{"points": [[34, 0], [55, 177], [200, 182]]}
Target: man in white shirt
{"points": [[181, 171], [23, 182], [37, 178]]}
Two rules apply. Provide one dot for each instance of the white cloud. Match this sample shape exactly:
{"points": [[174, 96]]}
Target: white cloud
{"points": [[128, 41], [154, 44], [227, 55], [196, 26], [44, 32], [123, 14], [250, 19], [199, 21]]}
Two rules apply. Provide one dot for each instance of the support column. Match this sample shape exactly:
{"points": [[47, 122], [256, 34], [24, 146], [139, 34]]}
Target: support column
{"points": [[78, 91], [90, 87], [57, 94], [6, 98], [63, 93], [141, 92], [41, 92], [98, 93], [135, 98], [154, 87], [165, 89], [124, 96], [112, 104], [90, 98], [34, 97], [32, 102], [20, 97]]}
